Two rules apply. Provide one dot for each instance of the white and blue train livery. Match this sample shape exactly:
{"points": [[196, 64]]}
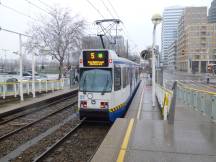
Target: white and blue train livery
{"points": [[107, 84]]}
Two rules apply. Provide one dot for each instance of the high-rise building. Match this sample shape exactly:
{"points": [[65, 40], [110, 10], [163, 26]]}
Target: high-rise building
{"points": [[212, 12], [172, 51], [196, 43], [171, 16]]}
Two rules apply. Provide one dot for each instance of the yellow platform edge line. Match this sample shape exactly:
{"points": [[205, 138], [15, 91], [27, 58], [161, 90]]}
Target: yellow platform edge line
{"points": [[124, 145]]}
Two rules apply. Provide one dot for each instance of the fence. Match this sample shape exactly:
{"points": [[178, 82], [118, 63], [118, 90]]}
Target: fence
{"points": [[200, 100], [164, 97], [13, 88]]}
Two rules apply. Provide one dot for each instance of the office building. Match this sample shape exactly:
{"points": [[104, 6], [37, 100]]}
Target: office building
{"points": [[212, 12], [171, 17], [196, 42]]}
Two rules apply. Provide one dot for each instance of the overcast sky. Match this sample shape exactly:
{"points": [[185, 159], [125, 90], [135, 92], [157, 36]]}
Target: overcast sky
{"points": [[135, 14]]}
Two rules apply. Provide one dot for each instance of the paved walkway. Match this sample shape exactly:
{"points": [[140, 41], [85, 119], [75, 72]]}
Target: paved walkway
{"points": [[192, 138]]}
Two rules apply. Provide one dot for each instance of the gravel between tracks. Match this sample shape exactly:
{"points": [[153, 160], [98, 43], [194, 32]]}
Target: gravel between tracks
{"points": [[15, 124], [80, 146], [29, 154], [15, 140]]}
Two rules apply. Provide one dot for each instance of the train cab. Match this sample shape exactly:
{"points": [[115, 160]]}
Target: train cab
{"points": [[106, 84]]}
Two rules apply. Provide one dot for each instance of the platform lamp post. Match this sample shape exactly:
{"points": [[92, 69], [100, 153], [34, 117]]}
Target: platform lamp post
{"points": [[156, 19]]}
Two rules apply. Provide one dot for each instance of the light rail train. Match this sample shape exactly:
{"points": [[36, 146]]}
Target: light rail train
{"points": [[107, 84]]}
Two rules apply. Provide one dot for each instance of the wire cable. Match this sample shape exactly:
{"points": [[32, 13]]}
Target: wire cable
{"points": [[95, 9], [108, 10], [45, 4], [36, 6], [18, 12], [113, 8]]}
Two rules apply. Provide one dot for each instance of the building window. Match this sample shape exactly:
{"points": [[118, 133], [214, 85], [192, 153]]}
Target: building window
{"points": [[197, 56]]}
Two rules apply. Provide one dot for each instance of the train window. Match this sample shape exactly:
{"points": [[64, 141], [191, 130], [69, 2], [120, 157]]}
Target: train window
{"points": [[117, 78], [95, 80], [129, 72], [124, 77]]}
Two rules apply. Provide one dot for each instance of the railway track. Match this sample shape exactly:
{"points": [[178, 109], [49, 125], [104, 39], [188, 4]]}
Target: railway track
{"points": [[13, 139], [16, 122], [59, 142], [73, 141], [34, 109], [79, 144], [34, 122]]}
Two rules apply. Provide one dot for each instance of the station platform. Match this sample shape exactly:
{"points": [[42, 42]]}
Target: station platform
{"points": [[142, 136], [28, 102]]}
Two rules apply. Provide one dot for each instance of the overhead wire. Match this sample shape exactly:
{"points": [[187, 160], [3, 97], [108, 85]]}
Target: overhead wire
{"points": [[115, 12], [93, 6], [45, 4], [125, 29], [113, 8], [36, 6], [108, 10], [18, 12]]}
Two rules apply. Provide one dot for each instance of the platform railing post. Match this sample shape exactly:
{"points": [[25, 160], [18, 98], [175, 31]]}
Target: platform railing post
{"points": [[15, 90], [53, 86], [46, 86], [28, 88], [4, 91], [40, 86]]}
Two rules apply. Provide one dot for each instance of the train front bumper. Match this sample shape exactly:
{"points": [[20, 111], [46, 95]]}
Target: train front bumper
{"points": [[94, 114]]}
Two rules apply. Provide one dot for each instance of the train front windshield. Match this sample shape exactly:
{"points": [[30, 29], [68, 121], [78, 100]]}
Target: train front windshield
{"points": [[95, 80]]}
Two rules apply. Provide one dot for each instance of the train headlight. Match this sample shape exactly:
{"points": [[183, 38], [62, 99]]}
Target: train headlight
{"points": [[104, 105], [83, 104]]}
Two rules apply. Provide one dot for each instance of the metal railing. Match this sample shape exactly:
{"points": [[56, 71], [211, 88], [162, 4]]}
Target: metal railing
{"points": [[164, 97], [13, 88], [203, 101]]}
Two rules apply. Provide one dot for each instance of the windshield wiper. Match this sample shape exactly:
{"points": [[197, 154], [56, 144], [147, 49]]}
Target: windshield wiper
{"points": [[84, 85], [105, 87]]}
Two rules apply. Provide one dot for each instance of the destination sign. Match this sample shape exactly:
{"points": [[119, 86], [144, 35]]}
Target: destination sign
{"points": [[95, 58]]}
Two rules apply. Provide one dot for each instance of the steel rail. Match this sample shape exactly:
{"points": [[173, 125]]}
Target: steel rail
{"points": [[36, 110], [36, 121], [60, 141]]}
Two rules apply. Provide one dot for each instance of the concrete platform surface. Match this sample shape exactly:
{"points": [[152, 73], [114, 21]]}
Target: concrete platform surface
{"points": [[184, 141], [192, 138], [109, 149], [30, 101]]}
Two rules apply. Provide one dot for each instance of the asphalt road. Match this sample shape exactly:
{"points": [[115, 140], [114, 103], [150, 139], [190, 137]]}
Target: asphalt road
{"points": [[197, 81]]}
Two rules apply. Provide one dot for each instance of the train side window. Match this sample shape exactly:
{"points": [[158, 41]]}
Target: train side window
{"points": [[124, 78], [117, 78]]}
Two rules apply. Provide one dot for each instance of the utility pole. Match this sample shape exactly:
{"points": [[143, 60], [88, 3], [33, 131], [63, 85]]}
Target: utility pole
{"points": [[33, 74], [21, 67]]}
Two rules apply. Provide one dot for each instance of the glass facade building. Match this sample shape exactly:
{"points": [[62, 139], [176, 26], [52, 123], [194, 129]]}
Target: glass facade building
{"points": [[212, 12], [171, 16]]}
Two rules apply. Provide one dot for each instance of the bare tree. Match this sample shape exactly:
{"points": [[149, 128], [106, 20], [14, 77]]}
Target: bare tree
{"points": [[60, 33]]}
